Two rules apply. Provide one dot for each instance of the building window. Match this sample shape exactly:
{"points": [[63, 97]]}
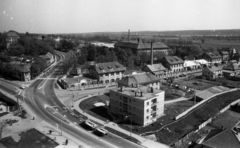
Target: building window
{"points": [[147, 110], [147, 117], [147, 103]]}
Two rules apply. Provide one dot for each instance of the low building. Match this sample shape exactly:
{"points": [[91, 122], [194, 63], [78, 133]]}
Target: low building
{"points": [[211, 73], [231, 69], [173, 63], [191, 65], [142, 105], [102, 44], [146, 79], [3, 107], [12, 37], [23, 70], [107, 72], [156, 69], [221, 139], [78, 82], [213, 58], [210, 92], [203, 62]]}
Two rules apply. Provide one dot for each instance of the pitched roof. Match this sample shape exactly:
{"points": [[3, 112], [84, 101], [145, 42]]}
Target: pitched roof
{"points": [[141, 46], [189, 63], [213, 55], [211, 91], [108, 67], [224, 139], [156, 68], [142, 78], [21, 67], [173, 59], [232, 67], [214, 68], [224, 52]]}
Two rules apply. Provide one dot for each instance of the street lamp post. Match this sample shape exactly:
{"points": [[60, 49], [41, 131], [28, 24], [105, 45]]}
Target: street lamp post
{"points": [[131, 126]]}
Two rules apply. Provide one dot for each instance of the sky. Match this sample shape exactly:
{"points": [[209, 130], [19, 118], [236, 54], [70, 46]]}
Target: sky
{"points": [[81, 16]]}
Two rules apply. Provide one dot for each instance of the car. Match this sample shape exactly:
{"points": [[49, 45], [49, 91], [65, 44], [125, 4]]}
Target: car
{"points": [[90, 124], [102, 130]]}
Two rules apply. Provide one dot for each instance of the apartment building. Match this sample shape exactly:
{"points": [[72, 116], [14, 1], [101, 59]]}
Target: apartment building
{"points": [[173, 63], [107, 72], [142, 105], [225, 55], [213, 58]]}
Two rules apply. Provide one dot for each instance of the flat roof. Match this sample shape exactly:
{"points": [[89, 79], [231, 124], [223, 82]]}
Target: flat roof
{"points": [[141, 92]]}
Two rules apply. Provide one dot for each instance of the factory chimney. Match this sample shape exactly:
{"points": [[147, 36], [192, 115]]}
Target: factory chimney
{"points": [[128, 35], [151, 53]]}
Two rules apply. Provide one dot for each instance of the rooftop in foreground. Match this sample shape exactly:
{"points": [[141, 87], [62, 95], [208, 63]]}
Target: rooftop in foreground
{"points": [[141, 92]]}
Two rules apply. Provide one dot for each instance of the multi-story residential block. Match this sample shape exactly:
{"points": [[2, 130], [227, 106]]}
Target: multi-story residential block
{"points": [[156, 69], [211, 73], [225, 56], [106, 72], [174, 63], [202, 62], [11, 37], [142, 104], [213, 58], [146, 79]]}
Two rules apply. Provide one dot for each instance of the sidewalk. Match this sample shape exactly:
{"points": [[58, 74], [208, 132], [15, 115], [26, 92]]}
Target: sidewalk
{"points": [[144, 142]]}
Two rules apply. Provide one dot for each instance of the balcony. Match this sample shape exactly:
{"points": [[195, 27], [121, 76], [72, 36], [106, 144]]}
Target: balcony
{"points": [[153, 111], [154, 103]]}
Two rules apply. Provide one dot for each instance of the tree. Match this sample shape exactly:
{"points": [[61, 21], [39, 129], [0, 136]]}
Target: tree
{"points": [[91, 53], [16, 50], [66, 45]]}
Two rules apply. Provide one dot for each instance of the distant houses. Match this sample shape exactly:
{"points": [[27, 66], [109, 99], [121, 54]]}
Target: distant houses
{"points": [[12, 37]]}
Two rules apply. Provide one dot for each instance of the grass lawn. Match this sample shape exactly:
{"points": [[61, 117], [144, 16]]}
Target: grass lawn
{"points": [[100, 112], [228, 82], [123, 135], [169, 95], [30, 139], [227, 119]]}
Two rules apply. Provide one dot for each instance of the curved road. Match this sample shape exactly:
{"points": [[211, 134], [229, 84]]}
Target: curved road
{"points": [[40, 95]]}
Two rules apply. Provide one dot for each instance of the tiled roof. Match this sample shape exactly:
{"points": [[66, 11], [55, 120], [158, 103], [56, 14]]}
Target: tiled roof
{"points": [[156, 68], [214, 68], [143, 78], [225, 139], [173, 59], [232, 67], [21, 67], [189, 63], [224, 52], [214, 55], [211, 91], [108, 67], [140, 46]]}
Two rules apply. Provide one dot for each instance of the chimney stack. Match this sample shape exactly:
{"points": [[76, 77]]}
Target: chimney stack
{"points": [[128, 35], [151, 53]]}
